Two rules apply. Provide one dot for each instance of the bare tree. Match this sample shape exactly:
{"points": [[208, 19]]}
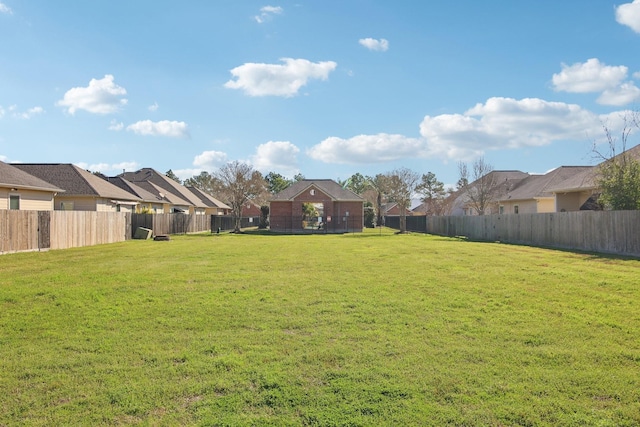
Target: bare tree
{"points": [[401, 184], [239, 183], [478, 186]]}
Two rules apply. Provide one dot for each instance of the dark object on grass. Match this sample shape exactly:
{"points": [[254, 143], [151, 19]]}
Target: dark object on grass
{"points": [[162, 237]]}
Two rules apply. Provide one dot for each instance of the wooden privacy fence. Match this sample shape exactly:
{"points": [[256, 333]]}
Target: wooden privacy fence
{"points": [[171, 223], [614, 232], [36, 230]]}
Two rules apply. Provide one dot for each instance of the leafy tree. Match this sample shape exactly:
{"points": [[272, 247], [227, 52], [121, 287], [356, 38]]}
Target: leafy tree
{"points": [[357, 183], [276, 182], [173, 176], [298, 177], [400, 185], [369, 215], [480, 192], [619, 174], [204, 182], [433, 193], [239, 183]]}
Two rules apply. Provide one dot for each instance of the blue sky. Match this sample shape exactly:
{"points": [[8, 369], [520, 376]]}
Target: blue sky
{"points": [[322, 88]]}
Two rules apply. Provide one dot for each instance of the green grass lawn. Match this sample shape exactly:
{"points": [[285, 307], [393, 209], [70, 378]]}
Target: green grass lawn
{"points": [[335, 330]]}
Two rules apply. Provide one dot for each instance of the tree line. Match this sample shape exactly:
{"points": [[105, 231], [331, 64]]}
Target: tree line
{"points": [[236, 183]]}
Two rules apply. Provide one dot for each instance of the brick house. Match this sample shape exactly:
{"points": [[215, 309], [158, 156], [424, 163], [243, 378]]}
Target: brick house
{"points": [[316, 206]]}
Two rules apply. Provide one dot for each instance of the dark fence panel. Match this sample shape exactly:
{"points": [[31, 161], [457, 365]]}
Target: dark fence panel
{"points": [[296, 225], [227, 223]]}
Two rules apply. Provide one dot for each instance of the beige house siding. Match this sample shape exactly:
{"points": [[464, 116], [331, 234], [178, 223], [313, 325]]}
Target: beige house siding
{"points": [[542, 205], [570, 202], [30, 200], [77, 203]]}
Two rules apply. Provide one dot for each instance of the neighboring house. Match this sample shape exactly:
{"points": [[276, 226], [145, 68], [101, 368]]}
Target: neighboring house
{"points": [[83, 191], [251, 209], [150, 201], [533, 194], [339, 210], [392, 209], [503, 182], [20, 190], [179, 197], [580, 192], [214, 206]]}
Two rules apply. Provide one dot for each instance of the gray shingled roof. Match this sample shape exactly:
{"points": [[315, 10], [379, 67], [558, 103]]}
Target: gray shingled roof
{"points": [[11, 176], [163, 181], [75, 181], [144, 195], [208, 199], [327, 186], [588, 179], [539, 186]]}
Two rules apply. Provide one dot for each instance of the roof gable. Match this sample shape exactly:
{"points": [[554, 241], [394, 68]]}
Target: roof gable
{"points": [[328, 186]]}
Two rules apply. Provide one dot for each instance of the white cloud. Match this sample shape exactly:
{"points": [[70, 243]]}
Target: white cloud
{"points": [[278, 80], [267, 12], [381, 45], [591, 76], [3, 158], [504, 123], [116, 125], [624, 94], [13, 109], [499, 123], [629, 14], [167, 128], [185, 174], [5, 9], [367, 149], [100, 97], [594, 76], [278, 156], [153, 107], [31, 112], [210, 160]]}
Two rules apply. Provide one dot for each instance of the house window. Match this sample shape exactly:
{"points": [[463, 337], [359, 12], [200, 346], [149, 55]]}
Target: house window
{"points": [[14, 202], [516, 209], [312, 192], [501, 209], [66, 206]]}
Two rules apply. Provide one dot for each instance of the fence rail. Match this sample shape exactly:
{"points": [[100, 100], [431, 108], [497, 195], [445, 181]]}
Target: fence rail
{"points": [[614, 232]]}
